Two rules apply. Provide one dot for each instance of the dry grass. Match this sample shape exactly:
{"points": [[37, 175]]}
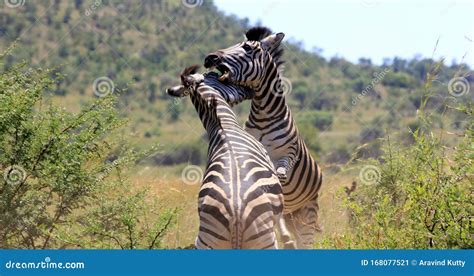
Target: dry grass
{"points": [[164, 184], [333, 216]]}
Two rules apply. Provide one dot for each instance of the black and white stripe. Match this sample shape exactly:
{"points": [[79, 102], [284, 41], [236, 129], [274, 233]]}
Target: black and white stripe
{"points": [[256, 63], [240, 200]]}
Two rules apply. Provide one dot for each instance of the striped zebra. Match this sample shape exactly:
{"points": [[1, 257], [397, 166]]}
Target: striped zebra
{"points": [[240, 201], [256, 63]]}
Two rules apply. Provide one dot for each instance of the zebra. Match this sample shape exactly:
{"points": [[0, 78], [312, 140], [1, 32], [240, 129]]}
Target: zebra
{"points": [[256, 63], [240, 202]]}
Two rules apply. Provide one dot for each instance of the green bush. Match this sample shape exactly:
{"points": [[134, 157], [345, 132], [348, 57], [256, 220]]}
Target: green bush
{"points": [[322, 120], [310, 136], [122, 219], [417, 196], [421, 200], [54, 166], [398, 79]]}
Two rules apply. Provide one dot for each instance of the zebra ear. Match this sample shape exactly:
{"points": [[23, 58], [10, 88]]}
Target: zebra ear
{"points": [[272, 41]]}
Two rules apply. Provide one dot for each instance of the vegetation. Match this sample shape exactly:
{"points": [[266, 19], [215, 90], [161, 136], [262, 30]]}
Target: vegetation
{"points": [[61, 183], [143, 46], [417, 195], [91, 171]]}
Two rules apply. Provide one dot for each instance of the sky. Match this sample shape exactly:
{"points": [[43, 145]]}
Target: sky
{"points": [[373, 29]]}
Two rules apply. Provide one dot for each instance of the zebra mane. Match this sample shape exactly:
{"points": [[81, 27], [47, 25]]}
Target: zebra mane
{"points": [[211, 105], [259, 33]]}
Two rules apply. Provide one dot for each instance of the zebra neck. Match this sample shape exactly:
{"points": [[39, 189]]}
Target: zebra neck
{"points": [[218, 142], [220, 127], [220, 120], [269, 102]]}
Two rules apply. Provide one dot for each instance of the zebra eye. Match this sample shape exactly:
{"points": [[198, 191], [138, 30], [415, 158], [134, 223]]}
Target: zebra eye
{"points": [[247, 47]]}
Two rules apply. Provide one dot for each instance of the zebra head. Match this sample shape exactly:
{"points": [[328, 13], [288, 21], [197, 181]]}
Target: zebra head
{"points": [[205, 100], [250, 62], [189, 82]]}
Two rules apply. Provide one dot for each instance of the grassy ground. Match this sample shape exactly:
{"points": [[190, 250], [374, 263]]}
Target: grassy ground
{"points": [[165, 184]]}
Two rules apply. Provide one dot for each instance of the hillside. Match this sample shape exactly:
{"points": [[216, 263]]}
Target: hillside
{"points": [[142, 47]]}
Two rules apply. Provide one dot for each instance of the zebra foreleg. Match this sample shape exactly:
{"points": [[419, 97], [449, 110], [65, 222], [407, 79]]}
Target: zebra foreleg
{"points": [[285, 235], [282, 167], [303, 223]]}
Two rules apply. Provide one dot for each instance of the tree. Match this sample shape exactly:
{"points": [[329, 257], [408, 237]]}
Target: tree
{"points": [[319, 119], [67, 16], [365, 62], [78, 4]]}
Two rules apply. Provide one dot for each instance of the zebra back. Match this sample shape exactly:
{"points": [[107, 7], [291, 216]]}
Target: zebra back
{"points": [[240, 200]]}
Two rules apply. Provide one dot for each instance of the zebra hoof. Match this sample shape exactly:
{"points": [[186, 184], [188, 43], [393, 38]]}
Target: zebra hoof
{"points": [[281, 170], [289, 245], [281, 173]]}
